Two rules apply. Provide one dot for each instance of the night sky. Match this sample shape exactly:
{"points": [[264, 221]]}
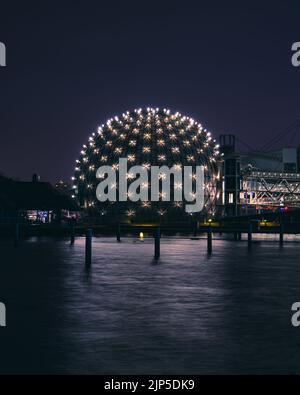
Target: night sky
{"points": [[72, 65]]}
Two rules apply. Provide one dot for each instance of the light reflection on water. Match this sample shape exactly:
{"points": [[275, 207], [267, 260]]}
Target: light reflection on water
{"points": [[187, 314]]}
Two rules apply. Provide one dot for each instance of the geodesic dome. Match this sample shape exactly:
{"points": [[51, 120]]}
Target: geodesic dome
{"points": [[146, 137]]}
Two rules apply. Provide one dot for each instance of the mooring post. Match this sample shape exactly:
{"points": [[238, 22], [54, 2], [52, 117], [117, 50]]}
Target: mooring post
{"points": [[118, 231], [235, 236], [195, 227], [249, 235], [239, 236], [88, 247], [17, 234], [195, 231], [72, 234], [157, 243], [209, 240], [281, 232]]}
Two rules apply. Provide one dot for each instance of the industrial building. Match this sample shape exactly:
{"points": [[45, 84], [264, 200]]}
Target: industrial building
{"points": [[256, 182]]}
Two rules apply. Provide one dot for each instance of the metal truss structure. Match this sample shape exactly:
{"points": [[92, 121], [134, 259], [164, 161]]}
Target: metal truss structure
{"points": [[271, 189]]}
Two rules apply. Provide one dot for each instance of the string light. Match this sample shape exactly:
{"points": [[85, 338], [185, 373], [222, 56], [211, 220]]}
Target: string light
{"points": [[130, 213], [161, 157], [129, 176], [131, 158], [178, 204]]}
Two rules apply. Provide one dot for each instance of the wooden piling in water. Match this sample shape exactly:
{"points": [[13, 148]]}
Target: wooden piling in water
{"points": [[195, 228], [209, 240], [249, 234], [118, 231], [157, 243], [88, 247], [72, 234], [281, 233]]}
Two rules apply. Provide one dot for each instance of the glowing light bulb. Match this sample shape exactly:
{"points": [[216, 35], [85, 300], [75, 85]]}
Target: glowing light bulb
{"points": [[131, 158]]}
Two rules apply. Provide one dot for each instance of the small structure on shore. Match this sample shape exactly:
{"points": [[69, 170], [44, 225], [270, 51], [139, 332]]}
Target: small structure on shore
{"points": [[34, 202]]}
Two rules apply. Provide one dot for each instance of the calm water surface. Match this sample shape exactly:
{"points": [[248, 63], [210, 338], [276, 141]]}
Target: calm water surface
{"points": [[187, 314]]}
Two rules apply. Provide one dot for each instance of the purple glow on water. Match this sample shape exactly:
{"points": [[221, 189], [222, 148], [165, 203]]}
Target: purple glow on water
{"points": [[187, 314]]}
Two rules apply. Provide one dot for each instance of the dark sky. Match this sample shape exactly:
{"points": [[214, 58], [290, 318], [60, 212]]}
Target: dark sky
{"points": [[72, 65]]}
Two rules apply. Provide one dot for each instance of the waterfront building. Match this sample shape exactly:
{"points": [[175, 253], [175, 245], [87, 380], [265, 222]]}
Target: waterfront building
{"points": [[34, 202]]}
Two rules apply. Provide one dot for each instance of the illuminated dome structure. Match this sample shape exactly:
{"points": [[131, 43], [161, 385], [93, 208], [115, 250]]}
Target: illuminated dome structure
{"points": [[146, 137]]}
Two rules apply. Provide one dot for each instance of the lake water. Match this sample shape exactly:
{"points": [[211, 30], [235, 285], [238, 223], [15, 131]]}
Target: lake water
{"points": [[187, 314]]}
